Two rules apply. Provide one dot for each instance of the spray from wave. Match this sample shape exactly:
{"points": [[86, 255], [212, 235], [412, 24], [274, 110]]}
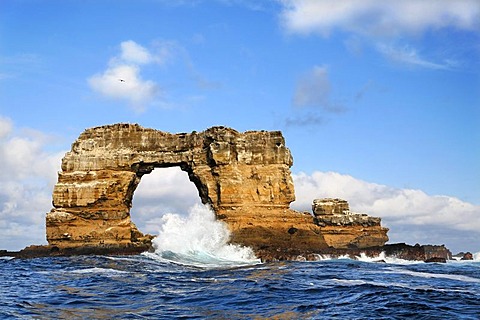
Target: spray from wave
{"points": [[199, 240], [476, 257]]}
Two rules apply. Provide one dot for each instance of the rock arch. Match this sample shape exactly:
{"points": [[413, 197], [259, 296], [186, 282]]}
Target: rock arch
{"points": [[244, 177], [241, 175]]}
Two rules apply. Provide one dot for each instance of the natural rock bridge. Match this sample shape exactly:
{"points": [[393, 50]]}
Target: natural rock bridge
{"points": [[245, 177]]}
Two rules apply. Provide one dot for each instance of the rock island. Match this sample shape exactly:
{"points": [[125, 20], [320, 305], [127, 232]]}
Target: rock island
{"points": [[244, 177]]}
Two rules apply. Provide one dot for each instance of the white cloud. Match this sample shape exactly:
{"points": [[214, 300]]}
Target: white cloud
{"points": [[5, 127], [409, 56], [27, 178], [124, 82], [165, 190], [314, 90], [135, 53], [378, 17], [122, 79], [405, 211]]}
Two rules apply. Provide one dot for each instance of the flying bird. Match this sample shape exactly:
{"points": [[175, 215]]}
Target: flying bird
{"points": [[121, 80]]}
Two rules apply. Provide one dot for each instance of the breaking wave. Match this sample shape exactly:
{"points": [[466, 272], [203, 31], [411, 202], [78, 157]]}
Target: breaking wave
{"points": [[476, 257], [199, 240], [429, 274], [382, 257]]}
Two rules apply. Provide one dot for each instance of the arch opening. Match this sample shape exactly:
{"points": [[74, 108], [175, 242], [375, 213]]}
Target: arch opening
{"points": [[163, 190]]}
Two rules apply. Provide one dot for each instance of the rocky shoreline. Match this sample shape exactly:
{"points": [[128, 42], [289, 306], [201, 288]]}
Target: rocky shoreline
{"points": [[426, 253], [42, 251]]}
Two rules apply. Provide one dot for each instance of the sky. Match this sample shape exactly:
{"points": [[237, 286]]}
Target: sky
{"points": [[378, 100]]}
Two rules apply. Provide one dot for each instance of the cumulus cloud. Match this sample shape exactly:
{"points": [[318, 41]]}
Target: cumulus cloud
{"points": [[404, 211], [122, 79], [135, 53], [27, 178], [125, 82], [378, 17], [165, 190], [5, 127]]}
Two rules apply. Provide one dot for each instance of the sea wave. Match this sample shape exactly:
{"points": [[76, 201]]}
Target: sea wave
{"points": [[382, 257], [392, 284], [198, 240], [6, 258], [476, 257], [141, 287], [456, 277], [98, 270]]}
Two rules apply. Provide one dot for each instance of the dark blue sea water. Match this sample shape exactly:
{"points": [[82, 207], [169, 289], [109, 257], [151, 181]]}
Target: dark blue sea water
{"points": [[150, 286], [196, 274]]}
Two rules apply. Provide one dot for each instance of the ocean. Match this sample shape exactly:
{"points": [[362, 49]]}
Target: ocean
{"points": [[195, 274]]}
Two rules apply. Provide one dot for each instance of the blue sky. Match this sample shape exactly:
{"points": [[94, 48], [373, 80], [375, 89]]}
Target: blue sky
{"points": [[379, 101]]}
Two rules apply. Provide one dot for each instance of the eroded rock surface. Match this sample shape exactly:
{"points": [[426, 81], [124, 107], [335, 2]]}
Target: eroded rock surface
{"points": [[342, 228], [245, 177], [231, 170]]}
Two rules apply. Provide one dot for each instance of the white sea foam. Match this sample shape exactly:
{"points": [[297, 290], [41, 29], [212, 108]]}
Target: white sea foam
{"points": [[327, 257], [199, 240], [456, 277], [355, 282], [6, 258], [349, 282], [476, 257], [382, 257], [99, 270]]}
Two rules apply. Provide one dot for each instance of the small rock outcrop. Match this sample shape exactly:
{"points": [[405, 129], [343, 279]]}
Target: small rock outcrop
{"points": [[342, 228], [427, 253], [467, 256], [244, 177]]}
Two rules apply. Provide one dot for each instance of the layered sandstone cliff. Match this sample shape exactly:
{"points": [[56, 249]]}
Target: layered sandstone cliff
{"points": [[244, 177], [342, 228]]}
